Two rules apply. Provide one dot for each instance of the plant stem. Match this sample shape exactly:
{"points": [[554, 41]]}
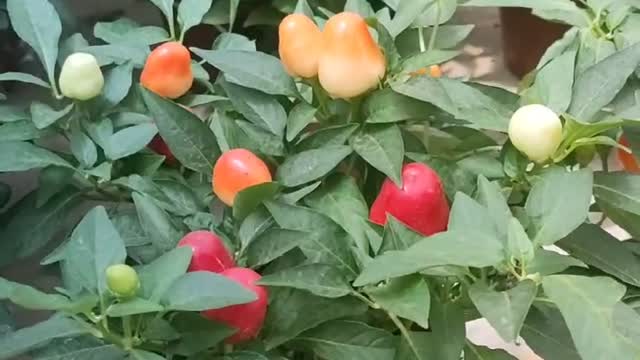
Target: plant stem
{"points": [[405, 333], [366, 300], [434, 33], [126, 326], [421, 41]]}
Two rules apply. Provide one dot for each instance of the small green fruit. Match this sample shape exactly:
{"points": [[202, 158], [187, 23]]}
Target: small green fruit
{"points": [[81, 77], [122, 280]]}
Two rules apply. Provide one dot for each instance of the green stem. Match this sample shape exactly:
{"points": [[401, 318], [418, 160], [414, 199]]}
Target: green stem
{"points": [[354, 113], [434, 33], [366, 300], [126, 326], [172, 28], [405, 333], [421, 41], [543, 300]]}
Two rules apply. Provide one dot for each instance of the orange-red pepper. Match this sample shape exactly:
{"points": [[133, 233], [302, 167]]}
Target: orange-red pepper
{"points": [[167, 71], [300, 45]]}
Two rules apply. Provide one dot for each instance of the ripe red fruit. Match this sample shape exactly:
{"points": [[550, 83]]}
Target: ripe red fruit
{"points": [[247, 318], [421, 204], [158, 145], [167, 71], [209, 252]]}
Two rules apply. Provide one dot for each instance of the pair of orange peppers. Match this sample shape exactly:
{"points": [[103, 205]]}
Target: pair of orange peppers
{"points": [[344, 56]]}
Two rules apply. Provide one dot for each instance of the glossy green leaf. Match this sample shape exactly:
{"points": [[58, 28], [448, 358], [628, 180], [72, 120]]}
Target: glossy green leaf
{"points": [[383, 148], [130, 140], [505, 310], [23, 77], [37, 23], [189, 139], [310, 165], [289, 313], [407, 297], [126, 31], [300, 116], [271, 244], [250, 198], [596, 247], [21, 156], [200, 290], [156, 277], [547, 334], [156, 223], [558, 203], [191, 12], [19, 131], [321, 280], [83, 148], [346, 339], [252, 69]]}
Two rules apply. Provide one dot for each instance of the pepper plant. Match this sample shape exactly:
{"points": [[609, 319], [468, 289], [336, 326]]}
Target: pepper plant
{"points": [[335, 198]]}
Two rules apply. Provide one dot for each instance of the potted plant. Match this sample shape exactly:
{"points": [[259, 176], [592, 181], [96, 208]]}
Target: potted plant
{"points": [[339, 201]]}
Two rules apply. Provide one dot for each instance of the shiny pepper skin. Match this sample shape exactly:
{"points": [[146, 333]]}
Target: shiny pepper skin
{"points": [[159, 146], [351, 63], [122, 280], [628, 160], [300, 45], [167, 71], [536, 131], [246, 318], [237, 170], [81, 77], [420, 204], [208, 252]]}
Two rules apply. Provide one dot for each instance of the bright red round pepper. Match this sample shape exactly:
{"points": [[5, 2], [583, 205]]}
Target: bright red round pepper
{"points": [[209, 252]]}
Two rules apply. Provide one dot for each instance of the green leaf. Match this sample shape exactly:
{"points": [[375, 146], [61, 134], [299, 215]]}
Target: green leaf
{"points": [[439, 12], [253, 226], [23, 340], [145, 355], [289, 313], [426, 59], [94, 245], [505, 310], [130, 140], [78, 348], [272, 244], [448, 36], [261, 109], [250, 198], [347, 339], [554, 82], [127, 31], [564, 11], [300, 116], [619, 188], [156, 223], [5, 194], [129, 228], [19, 131], [166, 6], [30, 298], [599, 84], [133, 307], [447, 248], [21, 156], [361, 7], [407, 297], [550, 262], [297, 195], [324, 241], [406, 13], [11, 113], [191, 12], [310, 165], [321, 280], [383, 148], [587, 305], [252, 69], [23, 77], [596, 247], [490, 195], [459, 99], [37, 23], [200, 290], [327, 137], [387, 106], [547, 334], [43, 115], [234, 42], [156, 277], [340, 199], [474, 352], [397, 236], [83, 148], [182, 198], [197, 333], [119, 54], [29, 227], [189, 139], [519, 246], [258, 140], [558, 203]]}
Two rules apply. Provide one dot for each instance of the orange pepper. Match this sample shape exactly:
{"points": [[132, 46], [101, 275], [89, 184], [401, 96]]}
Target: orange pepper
{"points": [[167, 71], [351, 62], [300, 45], [235, 171]]}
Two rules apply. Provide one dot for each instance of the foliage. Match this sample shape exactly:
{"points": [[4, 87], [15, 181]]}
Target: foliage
{"points": [[340, 286]]}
